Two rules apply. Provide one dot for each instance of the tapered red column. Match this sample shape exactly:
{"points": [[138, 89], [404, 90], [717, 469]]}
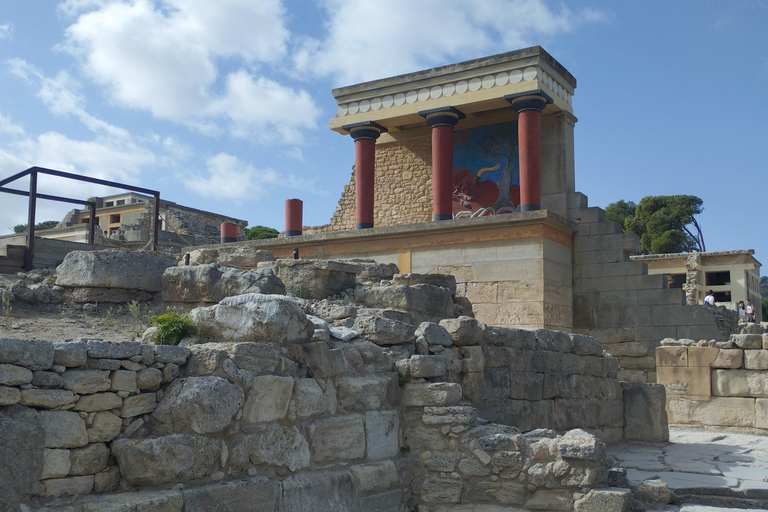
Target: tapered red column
{"points": [[365, 135], [442, 120], [529, 107], [294, 212]]}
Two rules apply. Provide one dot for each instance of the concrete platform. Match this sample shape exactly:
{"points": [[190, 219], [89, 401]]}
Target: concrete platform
{"points": [[703, 468]]}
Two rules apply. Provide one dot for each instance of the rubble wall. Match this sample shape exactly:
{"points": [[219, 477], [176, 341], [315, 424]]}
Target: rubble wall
{"points": [[721, 385], [630, 312]]}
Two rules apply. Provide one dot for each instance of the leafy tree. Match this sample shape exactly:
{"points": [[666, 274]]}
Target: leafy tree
{"points": [[765, 310], [48, 224], [260, 232], [661, 222], [764, 287]]}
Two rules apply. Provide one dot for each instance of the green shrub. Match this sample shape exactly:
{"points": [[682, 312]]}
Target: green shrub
{"points": [[172, 327]]}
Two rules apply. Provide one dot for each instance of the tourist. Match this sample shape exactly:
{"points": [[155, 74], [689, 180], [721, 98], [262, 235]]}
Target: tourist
{"points": [[749, 309], [742, 313], [709, 300]]}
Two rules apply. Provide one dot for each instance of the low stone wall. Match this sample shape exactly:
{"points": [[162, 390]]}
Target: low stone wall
{"points": [[724, 384]]}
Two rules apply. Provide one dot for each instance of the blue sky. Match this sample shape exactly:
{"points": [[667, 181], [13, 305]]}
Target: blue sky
{"points": [[224, 105]]}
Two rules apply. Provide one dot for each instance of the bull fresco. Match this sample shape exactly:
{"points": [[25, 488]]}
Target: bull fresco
{"points": [[486, 170]]}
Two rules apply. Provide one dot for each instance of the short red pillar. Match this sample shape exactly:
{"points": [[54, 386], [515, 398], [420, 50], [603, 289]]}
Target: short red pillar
{"points": [[442, 120], [365, 135], [529, 107], [294, 213], [228, 232]]}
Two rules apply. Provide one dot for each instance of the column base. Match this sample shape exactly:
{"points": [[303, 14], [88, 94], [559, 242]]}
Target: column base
{"points": [[293, 233], [364, 225], [530, 207], [228, 240], [442, 216]]}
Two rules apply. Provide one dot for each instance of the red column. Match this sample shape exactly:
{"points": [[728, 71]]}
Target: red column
{"points": [[442, 120], [228, 232], [294, 210], [529, 107], [365, 135]]}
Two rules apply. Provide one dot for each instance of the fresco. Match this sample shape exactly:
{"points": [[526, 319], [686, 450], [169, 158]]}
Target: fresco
{"points": [[486, 170]]}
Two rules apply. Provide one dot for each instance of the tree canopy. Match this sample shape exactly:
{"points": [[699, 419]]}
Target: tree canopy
{"points": [[48, 224], [665, 224], [260, 232]]}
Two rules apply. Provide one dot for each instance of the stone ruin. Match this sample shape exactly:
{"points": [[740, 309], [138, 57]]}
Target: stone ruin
{"points": [[361, 390]]}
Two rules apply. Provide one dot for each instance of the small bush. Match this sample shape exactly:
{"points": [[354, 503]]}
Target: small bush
{"points": [[172, 327]]}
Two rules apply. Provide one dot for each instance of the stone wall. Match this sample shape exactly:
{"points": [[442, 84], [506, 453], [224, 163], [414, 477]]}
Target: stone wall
{"points": [[204, 227], [630, 312], [722, 384]]}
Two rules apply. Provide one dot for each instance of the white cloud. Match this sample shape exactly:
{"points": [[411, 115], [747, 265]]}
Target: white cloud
{"points": [[5, 31], [369, 40], [227, 177], [193, 62]]}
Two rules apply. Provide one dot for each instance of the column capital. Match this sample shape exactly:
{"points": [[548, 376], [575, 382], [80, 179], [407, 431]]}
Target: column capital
{"points": [[364, 130], [531, 100], [442, 116]]}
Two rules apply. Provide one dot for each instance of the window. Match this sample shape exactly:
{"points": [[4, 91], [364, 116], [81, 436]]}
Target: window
{"points": [[114, 218], [120, 202], [109, 203], [722, 296], [718, 278], [675, 280], [84, 220]]}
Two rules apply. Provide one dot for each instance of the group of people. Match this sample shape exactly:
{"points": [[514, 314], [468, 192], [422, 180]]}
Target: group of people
{"points": [[746, 311]]}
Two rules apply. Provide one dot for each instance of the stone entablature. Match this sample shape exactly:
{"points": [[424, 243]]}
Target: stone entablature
{"points": [[719, 384]]}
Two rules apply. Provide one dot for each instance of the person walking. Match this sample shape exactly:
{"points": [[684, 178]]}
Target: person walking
{"points": [[742, 312], [749, 310]]}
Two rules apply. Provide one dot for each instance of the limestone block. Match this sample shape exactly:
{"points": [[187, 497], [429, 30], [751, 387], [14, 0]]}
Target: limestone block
{"points": [[550, 500], [638, 363], [604, 500], [9, 396], [48, 380], [761, 413], [678, 380], [718, 411], [99, 402], [441, 393], [464, 330], [439, 461], [434, 334], [383, 331], [268, 399], [35, 355], [321, 490], [12, 375], [63, 429], [210, 283], [171, 354], [326, 362], [174, 458], [312, 400], [150, 501], [88, 460], [341, 333], [729, 358], [586, 345], [389, 501], [482, 293], [471, 466], [141, 270], [148, 379], [443, 280], [73, 485], [22, 454], [702, 356], [452, 415], [645, 418], [756, 359], [104, 364], [441, 490], [106, 480], [473, 359], [497, 384], [382, 434], [556, 341], [424, 366], [56, 464], [526, 385], [571, 363], [257, 494], [747, 340], [104, 427], [254, 317], [363, 393], [473, 386], [337, 438], [138, 405], [579, 444], [201, 405], [503, 492], [98, 349], [652, 491], [432, 301], [375, 476], [271, 444], [740, 383], [70, 354], [123, 380]]}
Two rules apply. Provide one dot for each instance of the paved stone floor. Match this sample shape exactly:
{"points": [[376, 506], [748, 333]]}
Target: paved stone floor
{"points": [[707, 470]]}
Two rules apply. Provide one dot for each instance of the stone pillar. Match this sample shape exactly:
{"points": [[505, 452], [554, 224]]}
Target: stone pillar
{"points": [[442, 120], [228, 232], [529, 106], [294, 210], [365, 135]]}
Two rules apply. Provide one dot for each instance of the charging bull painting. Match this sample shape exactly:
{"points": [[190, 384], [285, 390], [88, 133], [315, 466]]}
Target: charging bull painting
{"points": [[486, 171]]}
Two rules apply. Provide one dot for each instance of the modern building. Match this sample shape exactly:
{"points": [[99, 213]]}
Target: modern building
{"points": [[734, 276]]}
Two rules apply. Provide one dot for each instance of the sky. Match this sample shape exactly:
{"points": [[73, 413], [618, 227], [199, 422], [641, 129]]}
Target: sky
{"points": [[224, 106]]}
